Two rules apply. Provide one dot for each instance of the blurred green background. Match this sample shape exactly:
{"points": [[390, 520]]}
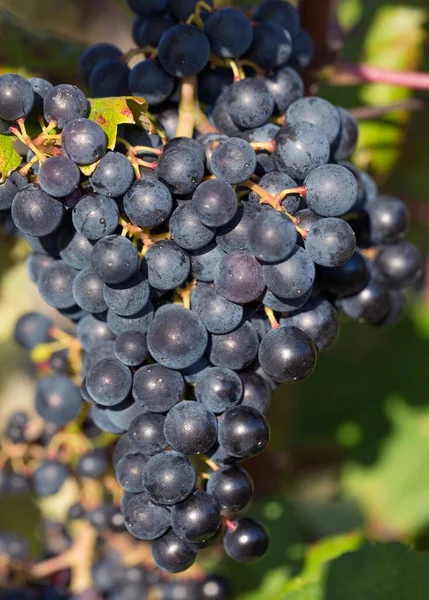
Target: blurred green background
{"points": [[349, 458]]}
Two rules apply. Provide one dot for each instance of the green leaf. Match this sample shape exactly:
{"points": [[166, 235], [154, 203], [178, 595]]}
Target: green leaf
{"points": [[9, 157], [394, 491], [111, 112]]}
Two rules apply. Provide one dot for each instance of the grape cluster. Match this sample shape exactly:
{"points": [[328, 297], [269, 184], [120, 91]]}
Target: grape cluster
{"points": [[203, 271]]}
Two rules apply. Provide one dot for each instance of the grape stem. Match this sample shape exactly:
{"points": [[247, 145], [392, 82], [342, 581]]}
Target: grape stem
{"points": [[23, 137], [183, 294], [210, 463], [266, 198], [349, 74], [186, 122], [267, 146], [271, 318], [202, 124], [375, 112]]}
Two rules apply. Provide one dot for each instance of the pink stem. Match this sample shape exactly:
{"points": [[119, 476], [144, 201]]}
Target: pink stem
{"points": [[347, 73]]}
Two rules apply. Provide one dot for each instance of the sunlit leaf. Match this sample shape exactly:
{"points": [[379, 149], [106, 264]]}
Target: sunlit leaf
{"points": [[9, 157]]}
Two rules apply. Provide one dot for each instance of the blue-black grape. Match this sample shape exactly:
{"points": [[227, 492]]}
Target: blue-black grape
{"points": [[109, 381], [36, 213], [8, 191], [109, 78], [233, 161], [331, 190], [96, 216], [177, 337], [215, 203], [49, 477], [235, 350], [243, 431], [280, 12], [287, 354], [371, 305], [113, 176], [172, 554], [144, 519], [300, 148], [218, 314], [59, 176], [16, 97], [223, 121], [187, 230], [250, 103], [348, 279], [190, 428], [129, 297], [239, 277], [114, 259], [181, 170], [229, 31], [399, 264], [272, 236], [148, 31], [197, 518], [167, 264], [286, 86], [291, 278], [147, 433], [235, 235], [388, 219], [129, 472], [91, 331], [57, 399], [218, 389], [256, 391], [157, 389], [93, 464], [246, 540], [148, 8], [56, 285], [204, 261], [65, 103], [346, 141], [124, 413], [139, 321], [36, 263], [148, 203], [88, 291], [302, 50], [131, 348], [183, 50], [100, 417], [168, 478], [74, 248], [95, 54], [84, 141], [150, 81], [330, 242], [316, 111], [232, 487], [319, 319], [271, 46]]}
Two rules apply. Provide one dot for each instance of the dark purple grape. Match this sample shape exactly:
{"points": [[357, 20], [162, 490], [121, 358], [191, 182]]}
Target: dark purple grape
{"points": [[246, 539], [287, 354], [84, 141], [16, 97], [183, 50], [250, 103], [300, 148], [239, 277], [243, 431], [63, 104], [36, 213]]}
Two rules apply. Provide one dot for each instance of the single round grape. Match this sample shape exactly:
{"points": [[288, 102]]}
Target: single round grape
{"points": [[129, 472], [88, 291], [188, 145], [399, 264], [256, 391], [93, 464], [157, 389], [148, 31], [235, 235], [129, 297], [167, 264], [232, 488], [223, 121], [74, 248], [319, 319], [331, 190], [172, 554], [246, 540], [204, 261], [291, 278], [63, 104], [84, 141], [36, 263], [181, 170], [109, 382], [330, 242], [109, 78], [139, 321], [176, 338], [239, 278], [287, 354], [144, 519], [250, 103], [168, 478], [280, 12], [243, 431], [148, 203], [229, 31], [147, 433], [91, 331], [302, 50], [235, 350], [190, 428], [56, 285], [148, 8], [271, 46], [347, 139], [95, 54], [183, 50], [57, 400], [59, 176], [316, 111], [113, 176], [16, 97], [96, 216], [300, 148], [286, 86], [49, 477], [371, 305], [272, 236], [218, 389], [100, 417], [8, 191], [215, 203], [348, 279], [233, 161], [131, 348], [114, 259], [150, 81], [218, 314], [388, 219], [36, 213], [197, 518]]}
